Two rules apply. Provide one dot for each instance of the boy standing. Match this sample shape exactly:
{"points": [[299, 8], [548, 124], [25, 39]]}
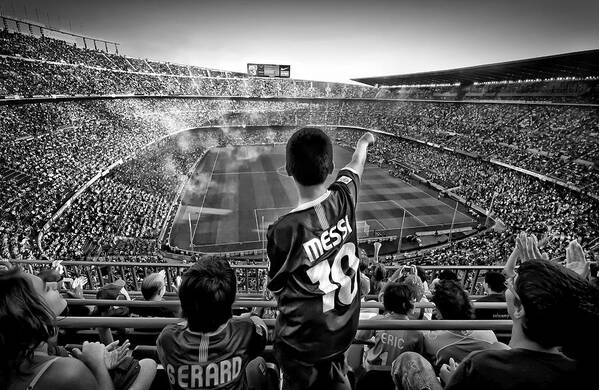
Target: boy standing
{"points": [[314, 260]]}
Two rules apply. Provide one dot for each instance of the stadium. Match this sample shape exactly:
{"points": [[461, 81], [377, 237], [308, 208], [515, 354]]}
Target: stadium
{"points": [[115, 169]]}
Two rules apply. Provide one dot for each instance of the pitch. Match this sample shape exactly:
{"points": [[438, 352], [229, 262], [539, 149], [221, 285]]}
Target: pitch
{"points": [[236, 192]]}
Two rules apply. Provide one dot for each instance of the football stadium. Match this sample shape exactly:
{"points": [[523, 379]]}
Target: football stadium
{"points": [[430, 229]]}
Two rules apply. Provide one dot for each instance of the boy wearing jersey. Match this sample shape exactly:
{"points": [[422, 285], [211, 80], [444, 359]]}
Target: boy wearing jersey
{"points": [[389, 344], [314, 260], [211, 349]]}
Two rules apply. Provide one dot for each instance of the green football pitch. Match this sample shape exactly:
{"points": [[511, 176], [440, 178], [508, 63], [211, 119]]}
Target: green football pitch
{"points": [[237, 191]]}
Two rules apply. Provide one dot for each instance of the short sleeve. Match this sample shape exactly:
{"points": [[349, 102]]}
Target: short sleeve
{"points": [[348, 179]]}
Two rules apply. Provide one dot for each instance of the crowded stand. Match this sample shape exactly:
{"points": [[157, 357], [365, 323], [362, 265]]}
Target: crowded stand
{"points": [[97, 179], [520, 201], [42, 66]]}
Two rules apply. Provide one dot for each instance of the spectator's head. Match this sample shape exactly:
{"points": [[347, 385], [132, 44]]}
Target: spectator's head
{"points": [[207, 293], [27, 318], [494, 282], [112, 291], [451, 301], [380, 273], [553, 306], [309, 156], [415, 285], [398, 298], [448, 275], [153, 286]]}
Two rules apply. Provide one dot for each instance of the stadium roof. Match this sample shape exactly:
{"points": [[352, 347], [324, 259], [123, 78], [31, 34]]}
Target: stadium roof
{"points": [[576, 64]]}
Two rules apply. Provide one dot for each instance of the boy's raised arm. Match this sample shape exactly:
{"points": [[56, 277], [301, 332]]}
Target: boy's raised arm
{"points": [[359, 158]]}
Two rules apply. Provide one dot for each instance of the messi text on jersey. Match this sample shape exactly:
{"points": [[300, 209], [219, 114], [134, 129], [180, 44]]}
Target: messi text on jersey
{"points": [[328, 240]]}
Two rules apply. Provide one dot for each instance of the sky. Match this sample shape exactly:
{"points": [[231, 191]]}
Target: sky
{"points": [[328, 40]]}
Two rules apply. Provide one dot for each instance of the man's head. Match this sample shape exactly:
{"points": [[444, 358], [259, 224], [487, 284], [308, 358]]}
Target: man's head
{"points": [[153, 287], [494, 282], [207, 293], [398, 298], [451, 301], [553, 305], [309, 156]]}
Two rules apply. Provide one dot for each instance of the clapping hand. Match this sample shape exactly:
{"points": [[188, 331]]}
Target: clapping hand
{"points": [[177, 283], [447, 370], [92, 354], [79, 282], [575, 259], [528, 248], [115, 354]]}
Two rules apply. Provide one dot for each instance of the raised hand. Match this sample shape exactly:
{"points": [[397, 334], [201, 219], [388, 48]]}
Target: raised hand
{"points": [[528, 248], [575, 259], [368, 137], [79, 282], [177, 283], [57, 265]]}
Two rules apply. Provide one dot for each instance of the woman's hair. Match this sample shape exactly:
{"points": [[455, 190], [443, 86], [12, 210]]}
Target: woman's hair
{"points": [[25, 322]]}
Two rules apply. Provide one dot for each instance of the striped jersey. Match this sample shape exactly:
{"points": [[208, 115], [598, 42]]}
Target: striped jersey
{"points": [[314, 273], [215, 360]]}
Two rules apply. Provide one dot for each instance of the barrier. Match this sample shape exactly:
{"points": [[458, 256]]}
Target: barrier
{"points": [[253, 303], [156, 323], [100, 273], [250, 277]]}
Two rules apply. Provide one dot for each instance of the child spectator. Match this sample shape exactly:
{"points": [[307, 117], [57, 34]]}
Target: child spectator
{"points": [[211, 348], [389, 344], [309, 247]]}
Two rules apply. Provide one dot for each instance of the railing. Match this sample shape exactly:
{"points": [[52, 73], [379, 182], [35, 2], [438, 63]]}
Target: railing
{"points": [[250, 277], [157, 323], [254, 303]]}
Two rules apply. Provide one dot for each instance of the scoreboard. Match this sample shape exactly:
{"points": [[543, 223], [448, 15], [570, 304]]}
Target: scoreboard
{"points": [[269, 70]]}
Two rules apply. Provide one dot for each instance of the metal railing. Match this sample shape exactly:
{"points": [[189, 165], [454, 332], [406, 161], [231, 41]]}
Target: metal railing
{"points": [[250, 277], [157, 323]]}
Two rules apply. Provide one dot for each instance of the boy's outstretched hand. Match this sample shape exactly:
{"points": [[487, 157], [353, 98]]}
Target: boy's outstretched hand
{"points": [[368, 137]]}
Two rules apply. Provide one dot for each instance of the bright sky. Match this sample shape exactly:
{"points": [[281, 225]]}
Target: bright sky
{"points": [[332, 40]]}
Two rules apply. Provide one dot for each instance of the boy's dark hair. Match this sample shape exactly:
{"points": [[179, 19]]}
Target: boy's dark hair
{"points": [[496, 281], [560, 308], [207, 293], [397, 298], [452, 301], [309, 156], [26, 322], [380, 273], [448, 275]]}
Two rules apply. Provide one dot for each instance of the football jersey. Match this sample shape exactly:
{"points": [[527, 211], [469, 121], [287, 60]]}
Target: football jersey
{"points": [[215, 360], [389, 344], [314, 273]]}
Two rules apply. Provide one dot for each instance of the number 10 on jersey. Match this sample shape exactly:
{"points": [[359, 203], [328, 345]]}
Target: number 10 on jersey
{"points": [[331, 278]]}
